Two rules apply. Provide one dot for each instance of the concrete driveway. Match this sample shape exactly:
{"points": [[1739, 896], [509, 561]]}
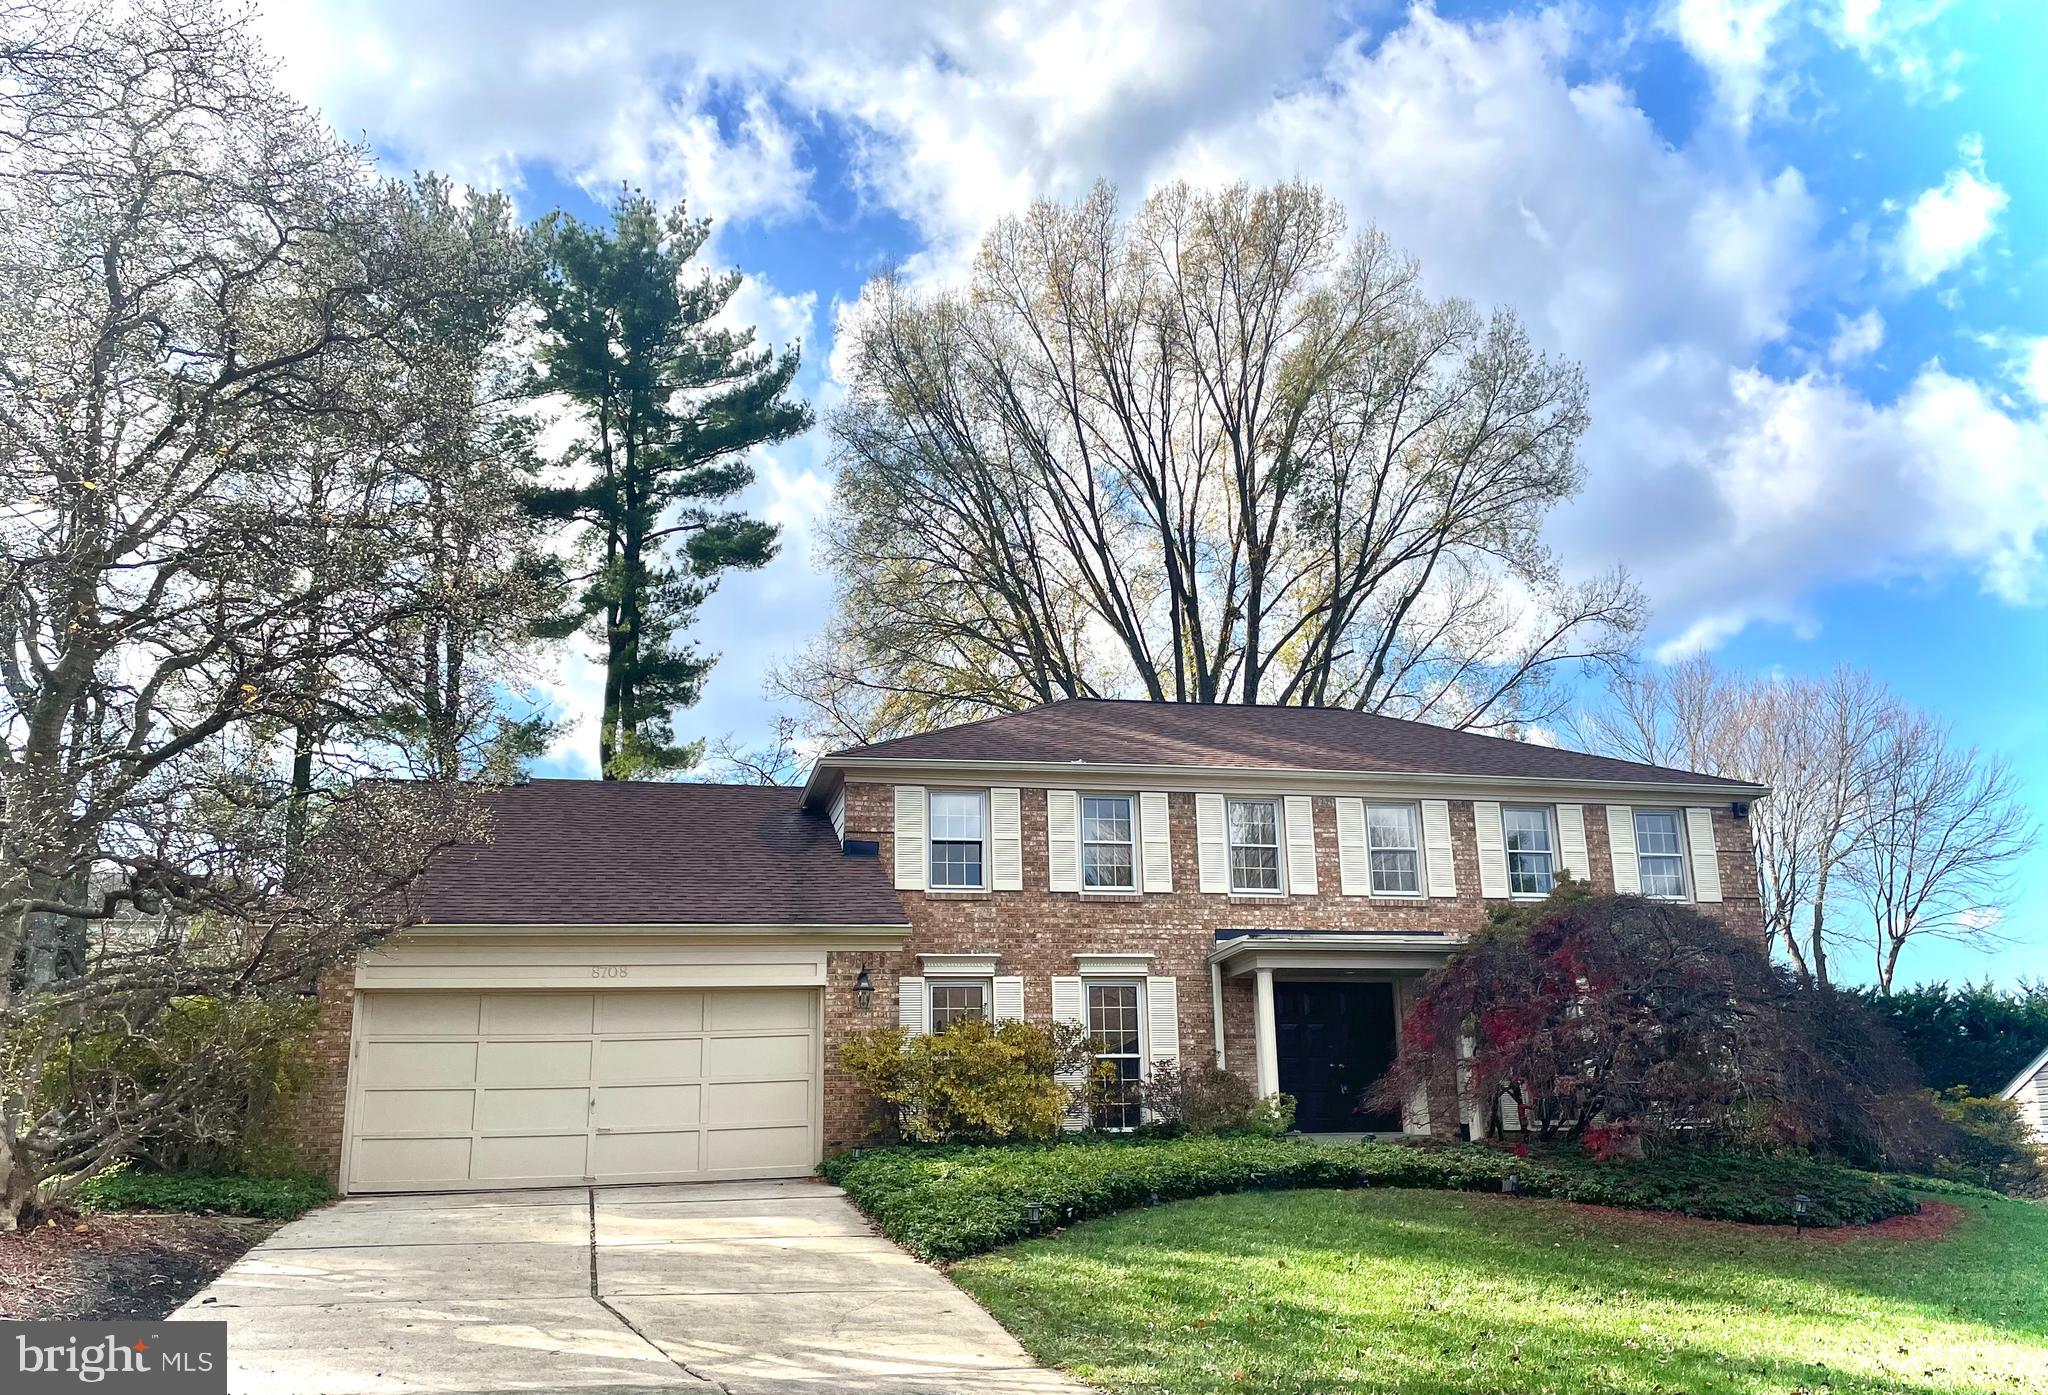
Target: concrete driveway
{"points": [[741, 1287]]}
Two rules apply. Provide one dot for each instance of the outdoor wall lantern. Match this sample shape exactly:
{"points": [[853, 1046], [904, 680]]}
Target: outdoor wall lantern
{"points": [[864, 990], [1800, 1203]]}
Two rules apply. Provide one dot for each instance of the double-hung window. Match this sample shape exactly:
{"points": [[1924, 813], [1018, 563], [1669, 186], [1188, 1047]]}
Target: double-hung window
{"points": [[955, 1001], [1113, 1032], [1660, 854], [1108, 843], [959, 834], [1396, 855], [1532, 852], [1253, 829]]}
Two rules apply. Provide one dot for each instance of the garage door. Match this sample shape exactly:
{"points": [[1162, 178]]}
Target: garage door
{"points": [[477, 1089]]}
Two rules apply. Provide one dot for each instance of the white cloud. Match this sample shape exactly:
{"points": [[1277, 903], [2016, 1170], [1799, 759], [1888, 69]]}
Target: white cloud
{"points": [[1857, 339], [1732, 40], [2029, 367], [1948, 222]]}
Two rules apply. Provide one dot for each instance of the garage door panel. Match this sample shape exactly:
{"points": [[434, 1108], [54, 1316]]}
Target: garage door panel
{"points": [[531, 1158], [763, 1102], [533, 1062], [647, 1059], [518, 1110], [420, 1062], [679, 1011], [750, 1058], [731, 1150], [626, 1155], [417, 1111], [645, 1106], [532, 1088], [409, 1162], [753, 1010], [537, 1014], [423, 1014]]}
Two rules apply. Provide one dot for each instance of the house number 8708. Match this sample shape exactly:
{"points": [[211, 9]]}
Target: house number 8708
{"points": [[608, 971]]}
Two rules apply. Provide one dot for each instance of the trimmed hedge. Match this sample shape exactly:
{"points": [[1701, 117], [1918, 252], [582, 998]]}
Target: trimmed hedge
{"points": [[203, 1193], [945, 1203]]}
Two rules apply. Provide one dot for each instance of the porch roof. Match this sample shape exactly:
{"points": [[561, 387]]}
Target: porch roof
{"points": [[1246, 951]]}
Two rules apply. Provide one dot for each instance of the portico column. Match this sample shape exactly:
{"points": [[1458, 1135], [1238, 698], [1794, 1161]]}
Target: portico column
{"points": [[1268, 1039]]}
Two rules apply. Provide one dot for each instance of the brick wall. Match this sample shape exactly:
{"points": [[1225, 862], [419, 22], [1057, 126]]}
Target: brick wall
{"points": [[1036, 933], [317, 1113]]}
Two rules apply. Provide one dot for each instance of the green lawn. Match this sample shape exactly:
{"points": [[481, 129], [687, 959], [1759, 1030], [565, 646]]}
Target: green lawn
{"points": [[1416, 1291]]}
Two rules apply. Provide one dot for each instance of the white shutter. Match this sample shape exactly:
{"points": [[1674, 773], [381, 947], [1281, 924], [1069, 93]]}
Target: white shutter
{"points": [[1211, 849], [1436, 847], [1706, 861], [1154, 827], [1162, 1021], [1621, 847], [1006, 840], [1068, 1005], [1009, 1003], [1493, 854], [910, 848], [1354, 865], [1062, 841], [1301, 845], [913, 1006], [1571, 840]]}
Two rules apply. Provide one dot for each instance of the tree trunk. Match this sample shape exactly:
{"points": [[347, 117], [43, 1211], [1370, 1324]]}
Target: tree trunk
{"points": [[20, 1202]]}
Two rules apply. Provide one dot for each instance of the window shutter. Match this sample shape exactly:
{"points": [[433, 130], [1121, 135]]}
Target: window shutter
{"points": [[1436, 847], [1155, 827], [1354, 866], [1006, 840], [1621, 846], [1493, 853], [1062, 841], [913, 1008], [1210, 848], [1009, 1000], [1571, 839], [1162, 1022], [910, 848], [1068, 1006], [1706, 862], [1301, 845]]}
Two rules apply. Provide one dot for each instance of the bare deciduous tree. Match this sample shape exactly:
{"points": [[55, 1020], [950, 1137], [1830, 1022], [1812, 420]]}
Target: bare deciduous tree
{"points": [[1216, 452]]}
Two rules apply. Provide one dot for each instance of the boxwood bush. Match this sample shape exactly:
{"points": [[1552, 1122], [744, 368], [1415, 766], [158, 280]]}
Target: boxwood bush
{"points": [[945, 1203], [203, 1193]]}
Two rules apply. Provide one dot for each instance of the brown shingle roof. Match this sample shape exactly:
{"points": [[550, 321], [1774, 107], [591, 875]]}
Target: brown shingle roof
{"points": [[591, 852], [1109, 732]]}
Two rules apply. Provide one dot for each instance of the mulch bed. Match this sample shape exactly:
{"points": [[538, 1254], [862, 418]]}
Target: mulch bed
{"points": [[111, 1268]]}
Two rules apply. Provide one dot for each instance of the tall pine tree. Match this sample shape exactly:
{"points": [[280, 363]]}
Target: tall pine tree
{"points": [[670, 407]]}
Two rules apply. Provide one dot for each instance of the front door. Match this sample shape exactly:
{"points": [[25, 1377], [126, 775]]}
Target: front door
{"points": [[1334, 1041]]}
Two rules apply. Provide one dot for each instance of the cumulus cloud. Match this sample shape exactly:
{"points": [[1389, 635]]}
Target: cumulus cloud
{"points": [[1732, 40], [1857, 339], [1950, 221]]}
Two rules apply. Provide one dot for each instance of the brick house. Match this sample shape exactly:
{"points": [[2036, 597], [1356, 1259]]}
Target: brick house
{"points": [[644, 982]]}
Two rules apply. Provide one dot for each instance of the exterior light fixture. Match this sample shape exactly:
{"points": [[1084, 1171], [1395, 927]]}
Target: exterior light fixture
{"points": [[1511, 1184], [864, 990], [1800, 1205], [1034, 1214]]}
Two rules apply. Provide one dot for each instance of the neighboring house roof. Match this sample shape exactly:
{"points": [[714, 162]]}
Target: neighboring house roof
{"points": [[1098, 731], [594, 852], [2019, 1081]]}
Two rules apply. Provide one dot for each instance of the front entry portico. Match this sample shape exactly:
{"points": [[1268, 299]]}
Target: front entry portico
{"points": [[1326, 1016]]}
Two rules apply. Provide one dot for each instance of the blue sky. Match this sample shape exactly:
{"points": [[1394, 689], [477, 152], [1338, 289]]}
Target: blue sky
{"points": [[1797, 244]]}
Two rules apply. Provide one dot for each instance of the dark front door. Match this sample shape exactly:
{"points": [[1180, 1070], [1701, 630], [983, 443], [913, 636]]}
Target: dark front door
{"points": [[1334, 1040]]}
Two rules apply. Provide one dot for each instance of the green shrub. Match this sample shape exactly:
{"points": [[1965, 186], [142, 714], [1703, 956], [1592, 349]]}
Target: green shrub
{"points": [[1205, 1099], [1991, 1145], [946, 1203], [974, 1081], [203, 1193]]}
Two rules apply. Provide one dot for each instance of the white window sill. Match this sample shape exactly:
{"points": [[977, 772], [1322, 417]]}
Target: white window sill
{"points": [[1258, 896], [1101, 894], [960, 893]]}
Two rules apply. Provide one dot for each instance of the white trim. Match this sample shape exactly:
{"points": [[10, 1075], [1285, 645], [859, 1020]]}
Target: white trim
{"points": [[1266, 1034], [1621, 849], [1113, 965], [1681, 827], [1216, 1009], [1138, 881], [913, 858], [2012, 1091], [1212, 844], [987, 881], [1438, 854], [1703, 854], [985, 984], [1299, 835], [1417, 846], [1062, 840], [1006, 839], [1572, 859], [1489, 839], [958, 965], [1507, 854], [1155, 832], [1007, 1004], [1283, 853], [855, 935]]}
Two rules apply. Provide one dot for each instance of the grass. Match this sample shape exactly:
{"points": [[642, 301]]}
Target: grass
{"points": [[1416, 1291], [202, 1193]]}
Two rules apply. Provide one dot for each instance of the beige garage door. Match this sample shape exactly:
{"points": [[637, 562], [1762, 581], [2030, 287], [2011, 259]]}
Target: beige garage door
{"points": [[478, 1089]]}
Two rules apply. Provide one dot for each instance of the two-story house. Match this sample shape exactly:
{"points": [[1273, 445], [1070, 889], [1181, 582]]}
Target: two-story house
{"points": [[645, 982]]}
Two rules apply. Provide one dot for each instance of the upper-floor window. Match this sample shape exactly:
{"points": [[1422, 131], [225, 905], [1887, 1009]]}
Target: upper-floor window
{"points": [[1390, 837], [1253, 828], [1107, 831], [1660, 853], [959, 838], [1532, 852], [952, 1002]]}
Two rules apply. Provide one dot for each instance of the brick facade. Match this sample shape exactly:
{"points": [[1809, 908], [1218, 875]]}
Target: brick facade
{"points": [[1036, 933]]}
